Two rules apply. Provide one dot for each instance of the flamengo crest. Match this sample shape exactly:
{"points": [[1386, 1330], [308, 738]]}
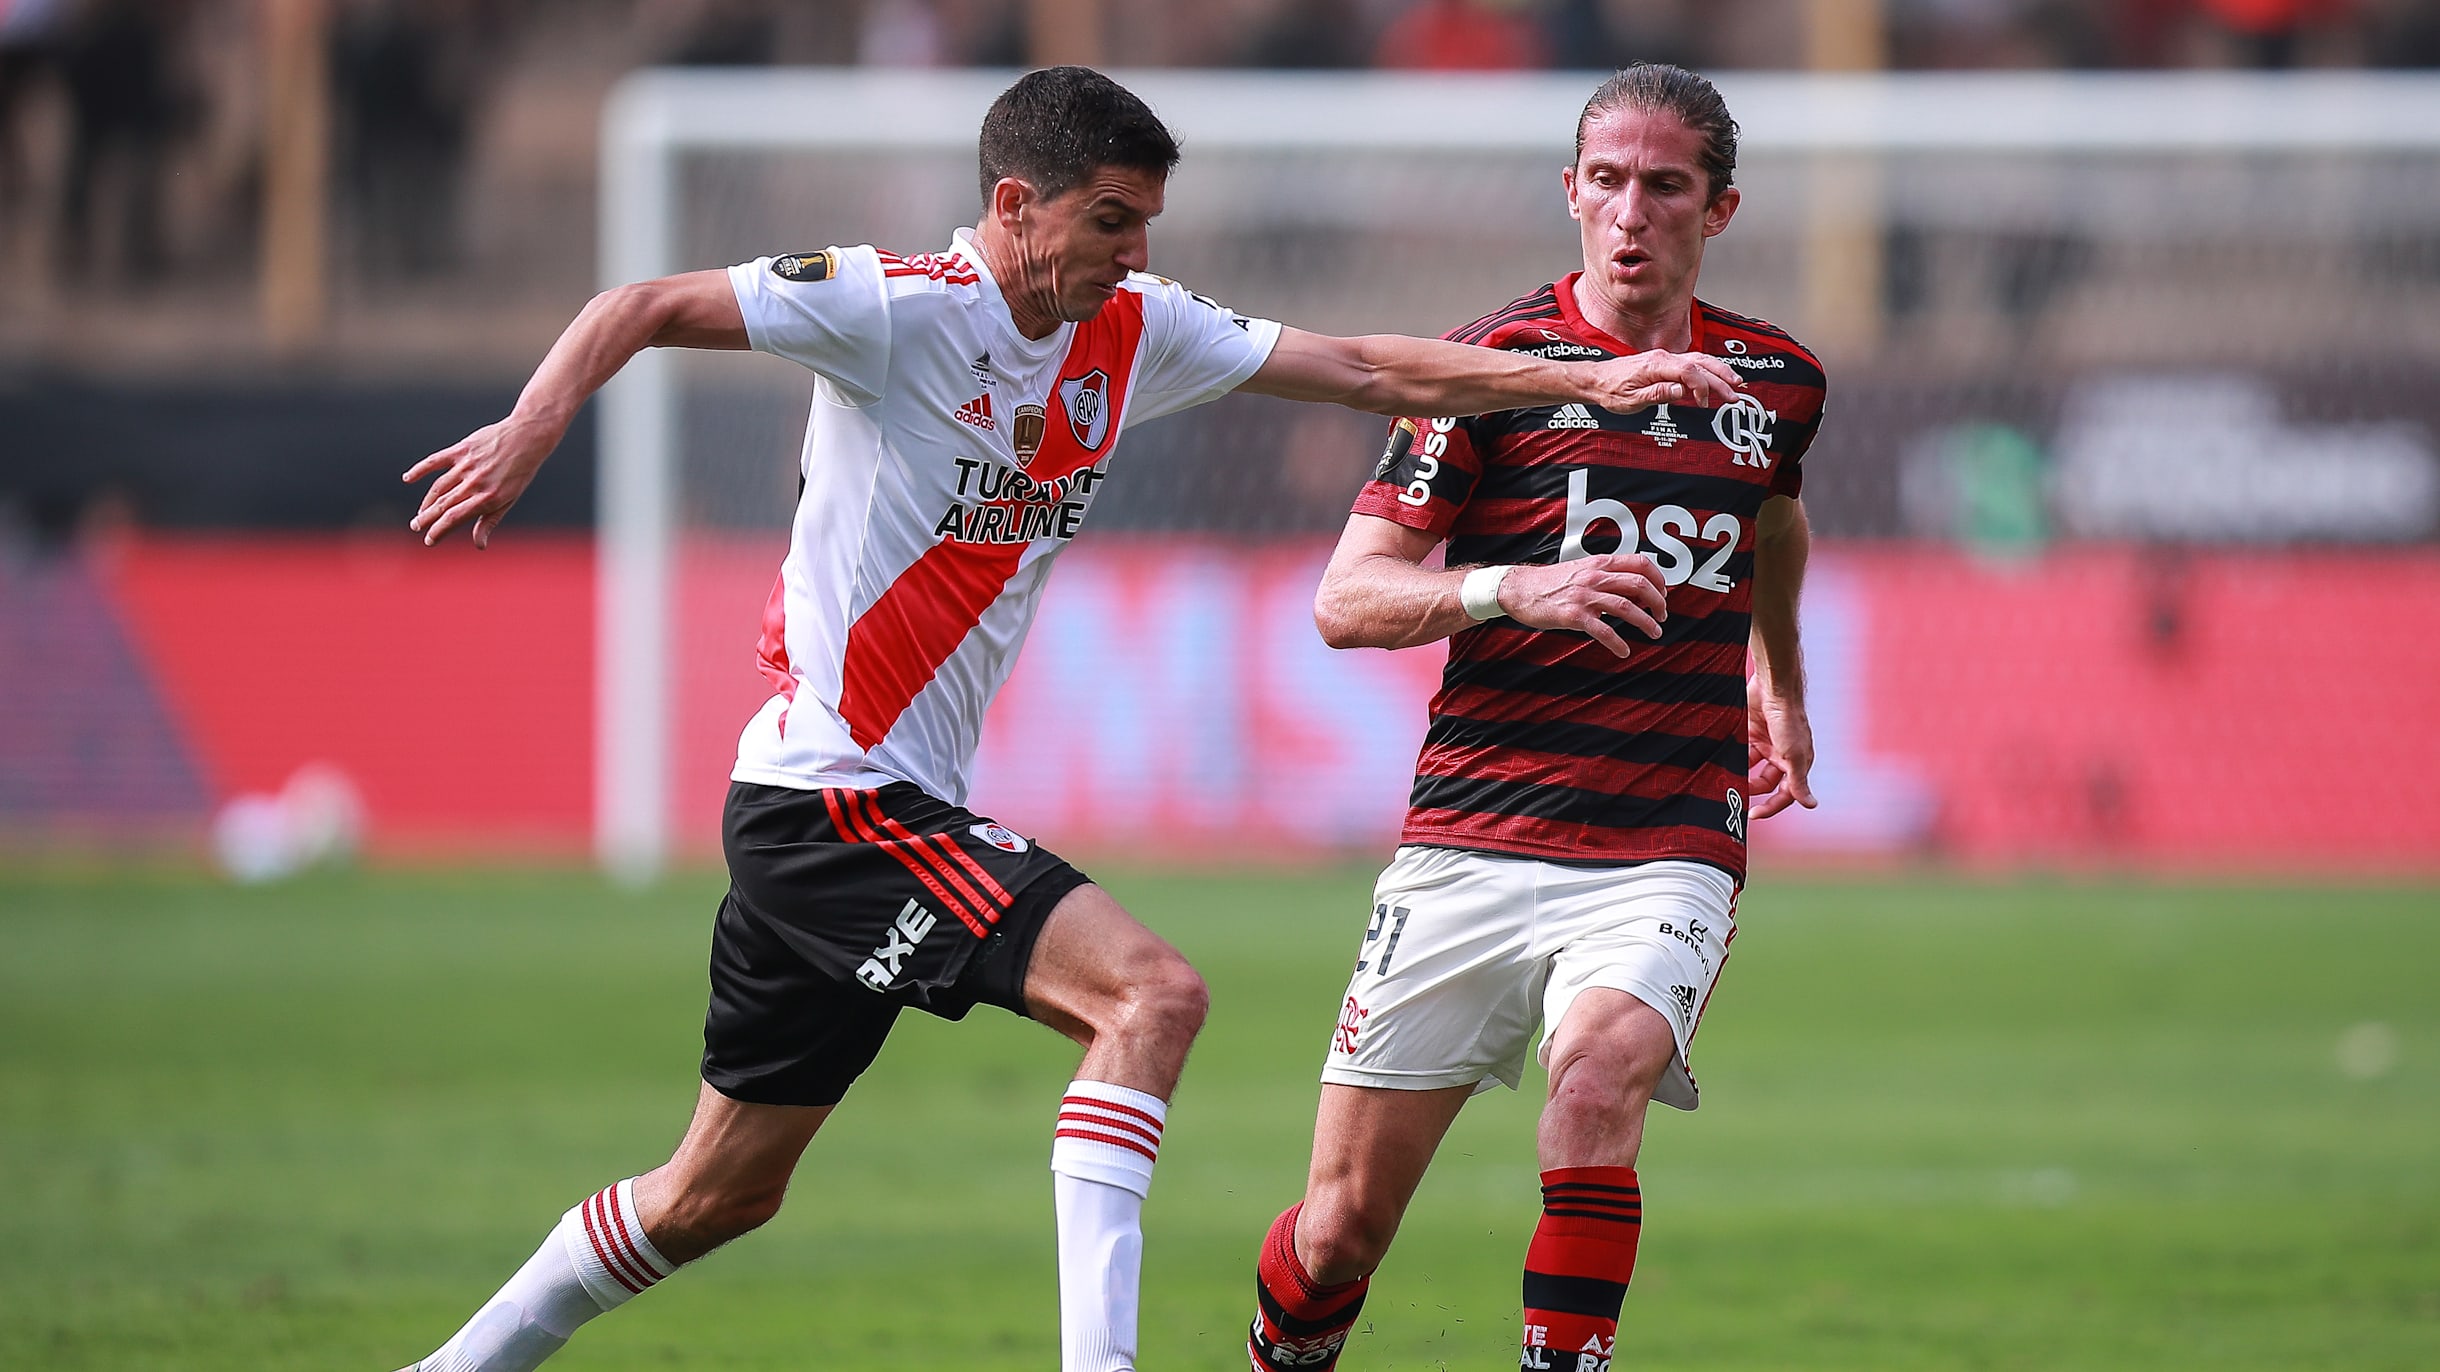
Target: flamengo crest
{"points": [[1087, 398], [1745, 427]]}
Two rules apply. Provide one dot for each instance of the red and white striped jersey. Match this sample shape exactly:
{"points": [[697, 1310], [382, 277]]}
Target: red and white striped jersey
{"points": [[947, 460]]}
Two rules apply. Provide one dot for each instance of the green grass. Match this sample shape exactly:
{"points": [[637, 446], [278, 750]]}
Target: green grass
{"points": [[1949, 1126]]}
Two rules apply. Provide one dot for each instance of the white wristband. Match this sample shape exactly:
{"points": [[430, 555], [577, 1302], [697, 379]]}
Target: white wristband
{"points": [[1480, 592]]}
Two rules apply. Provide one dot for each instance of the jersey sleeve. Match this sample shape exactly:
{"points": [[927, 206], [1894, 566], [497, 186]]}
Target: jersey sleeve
{"points": [[1425, 475], [1195, 349], [828, 311], [1788, 473]]}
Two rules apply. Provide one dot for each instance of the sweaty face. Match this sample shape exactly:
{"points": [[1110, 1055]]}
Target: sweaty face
{"points": [[1643, 207], [1072, 251]]}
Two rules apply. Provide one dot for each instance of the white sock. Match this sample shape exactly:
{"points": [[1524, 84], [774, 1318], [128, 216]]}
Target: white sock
{"points": [[1101, 1166], [596, 1260]]}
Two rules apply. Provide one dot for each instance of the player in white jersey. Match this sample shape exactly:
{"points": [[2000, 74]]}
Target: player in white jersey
{"points": [[966, 408]]}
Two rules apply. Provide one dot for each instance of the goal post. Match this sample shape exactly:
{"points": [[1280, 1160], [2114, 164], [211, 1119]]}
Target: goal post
{"points": [[1374, 201]]}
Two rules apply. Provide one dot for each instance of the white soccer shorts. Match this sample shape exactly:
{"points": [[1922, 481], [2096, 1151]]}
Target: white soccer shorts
{"points": [[1468, 952]]}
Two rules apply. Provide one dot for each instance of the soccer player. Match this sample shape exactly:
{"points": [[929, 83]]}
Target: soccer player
{"points": [[1576, 836], [965, 412]]}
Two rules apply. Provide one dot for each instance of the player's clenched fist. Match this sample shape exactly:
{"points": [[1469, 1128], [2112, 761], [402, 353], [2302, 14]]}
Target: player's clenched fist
{"points": [[1586, 594], [1627, 384]]}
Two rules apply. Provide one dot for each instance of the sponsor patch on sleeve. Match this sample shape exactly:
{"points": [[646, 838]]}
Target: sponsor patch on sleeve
{"points": [[1401, 439], [803, 267]]}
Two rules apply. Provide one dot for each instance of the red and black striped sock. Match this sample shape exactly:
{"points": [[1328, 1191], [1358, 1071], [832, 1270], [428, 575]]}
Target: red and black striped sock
{"points": [[1301, 1324], [1576, 1270]]}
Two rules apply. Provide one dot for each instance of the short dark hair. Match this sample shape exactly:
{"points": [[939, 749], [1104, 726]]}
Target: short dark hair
{"points": [[1056, 125], [1659, 88]]}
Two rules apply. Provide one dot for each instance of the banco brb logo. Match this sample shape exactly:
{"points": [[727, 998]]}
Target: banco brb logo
{"points": [[1745, 428]]}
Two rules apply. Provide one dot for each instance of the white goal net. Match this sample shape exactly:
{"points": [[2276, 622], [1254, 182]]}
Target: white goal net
{"points": [[2176, 311]]}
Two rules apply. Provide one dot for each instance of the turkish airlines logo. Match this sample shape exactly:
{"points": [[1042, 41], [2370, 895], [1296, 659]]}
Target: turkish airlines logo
{"points": [[1745, 427], [1087, 398]]}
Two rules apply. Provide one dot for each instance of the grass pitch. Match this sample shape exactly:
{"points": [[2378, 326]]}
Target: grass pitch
{"points": [[1948, 1126]]}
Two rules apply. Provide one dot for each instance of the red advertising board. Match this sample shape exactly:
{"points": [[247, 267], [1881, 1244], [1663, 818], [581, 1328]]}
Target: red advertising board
{"points": [[2096, 706]]}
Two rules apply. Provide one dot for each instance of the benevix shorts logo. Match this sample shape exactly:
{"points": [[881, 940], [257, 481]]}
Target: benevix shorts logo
{"points": [[804, 267], [1000, 836], [880, 971], [1087, 399], [1744, 426]]}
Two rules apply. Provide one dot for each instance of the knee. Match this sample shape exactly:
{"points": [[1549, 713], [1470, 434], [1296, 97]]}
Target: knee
{"points": [[1597, 1079], [1341, 1238], [1165, 1002]]}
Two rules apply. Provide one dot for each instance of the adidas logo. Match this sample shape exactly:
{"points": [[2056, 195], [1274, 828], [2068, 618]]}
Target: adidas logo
{"points": [[978, 413], [1573, 417], [1685, 998]]}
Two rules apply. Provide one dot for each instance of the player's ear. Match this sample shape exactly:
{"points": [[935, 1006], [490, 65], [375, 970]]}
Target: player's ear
{"points": [[1010, 198], [1567, 178], [1721, 209]]}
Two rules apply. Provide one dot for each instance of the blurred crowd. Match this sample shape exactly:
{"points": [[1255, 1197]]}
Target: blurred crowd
{"points": [[121, 118]]}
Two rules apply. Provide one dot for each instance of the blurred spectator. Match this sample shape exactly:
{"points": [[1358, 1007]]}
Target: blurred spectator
{"points": [[1601, 35], [1308, 34], [902, 33], [125, 106], [29, 53], [1463, 35], [2404, 33], [404, 74], [2270, 33], [727, 33]]}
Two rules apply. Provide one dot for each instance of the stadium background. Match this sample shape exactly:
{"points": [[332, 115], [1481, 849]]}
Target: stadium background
{"points": [[2120, 904]]}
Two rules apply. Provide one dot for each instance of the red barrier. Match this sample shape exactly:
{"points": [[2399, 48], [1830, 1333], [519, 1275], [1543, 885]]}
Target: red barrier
{"points": [[454, 688], [2258, 710]]}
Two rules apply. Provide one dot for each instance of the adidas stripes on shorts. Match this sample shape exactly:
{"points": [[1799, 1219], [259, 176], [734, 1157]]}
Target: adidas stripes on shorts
{"points": [[1467, 953], [846, 906]]}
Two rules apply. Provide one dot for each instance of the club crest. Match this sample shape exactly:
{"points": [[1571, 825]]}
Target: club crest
{"points": [[1087, 398]]}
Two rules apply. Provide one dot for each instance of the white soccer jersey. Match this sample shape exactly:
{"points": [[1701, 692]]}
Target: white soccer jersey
{"points": [[947, 460]]}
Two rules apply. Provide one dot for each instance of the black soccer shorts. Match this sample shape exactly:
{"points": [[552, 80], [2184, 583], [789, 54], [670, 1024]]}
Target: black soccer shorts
{"points": [[845, 907]]}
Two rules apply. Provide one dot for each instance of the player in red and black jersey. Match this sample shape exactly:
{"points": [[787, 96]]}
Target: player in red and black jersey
{"points": [[1577, 833]]}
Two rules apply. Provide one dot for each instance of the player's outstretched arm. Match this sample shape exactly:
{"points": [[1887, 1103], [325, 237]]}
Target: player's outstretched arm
{"points": [[478, 477], [1395, 375], [1779, 737], [1377, 594]]}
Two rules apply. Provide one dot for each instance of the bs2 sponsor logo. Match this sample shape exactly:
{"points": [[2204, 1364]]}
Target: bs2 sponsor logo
{"points": [[1663, 533]]}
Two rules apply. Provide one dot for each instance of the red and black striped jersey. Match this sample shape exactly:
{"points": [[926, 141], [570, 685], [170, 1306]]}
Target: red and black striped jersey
{"points": [[1542, 742]]}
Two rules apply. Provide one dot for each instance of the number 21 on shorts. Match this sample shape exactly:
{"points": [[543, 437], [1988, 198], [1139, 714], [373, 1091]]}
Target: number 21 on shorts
{"points": [[1384, 918]]}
